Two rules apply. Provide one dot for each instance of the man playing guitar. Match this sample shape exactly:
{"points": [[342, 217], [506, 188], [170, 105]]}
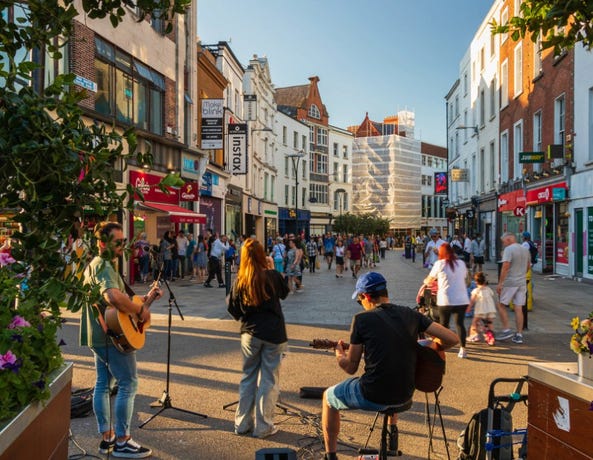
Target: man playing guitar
{"points": [[386, 334], [110, 363]]}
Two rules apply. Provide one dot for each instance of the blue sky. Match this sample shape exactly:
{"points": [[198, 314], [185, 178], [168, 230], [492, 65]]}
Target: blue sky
{"points": [[375, 56]]}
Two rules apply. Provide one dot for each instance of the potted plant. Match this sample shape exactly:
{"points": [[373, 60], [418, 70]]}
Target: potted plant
{"points": [[581, 342]]}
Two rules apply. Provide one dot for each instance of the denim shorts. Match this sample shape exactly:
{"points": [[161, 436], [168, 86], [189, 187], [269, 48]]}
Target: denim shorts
{"points": [[348, 395]]}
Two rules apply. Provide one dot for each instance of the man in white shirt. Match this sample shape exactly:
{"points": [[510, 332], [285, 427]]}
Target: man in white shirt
{"points": [[431, 252], [219, 248], [467, 250]]}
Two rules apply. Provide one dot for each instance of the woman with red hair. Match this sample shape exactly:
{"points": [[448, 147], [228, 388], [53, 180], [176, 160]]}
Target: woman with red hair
{"points": [[254, 300], [451, 275]]}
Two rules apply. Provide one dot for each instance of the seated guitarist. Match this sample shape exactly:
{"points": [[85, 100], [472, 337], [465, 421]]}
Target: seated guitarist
{"points": [[390, 357], [111, 364]]}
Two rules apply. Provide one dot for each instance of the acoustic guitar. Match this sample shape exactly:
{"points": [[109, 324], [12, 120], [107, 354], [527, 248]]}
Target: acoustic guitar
{"points": [[126, 331], [430, 362]]}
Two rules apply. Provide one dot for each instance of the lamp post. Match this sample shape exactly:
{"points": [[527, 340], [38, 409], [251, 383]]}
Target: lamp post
{"points": [[296, 159], [474, 128], [341, 192]]}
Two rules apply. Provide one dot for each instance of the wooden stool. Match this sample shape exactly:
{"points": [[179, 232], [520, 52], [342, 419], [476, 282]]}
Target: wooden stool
{"points": [[389, 444]]}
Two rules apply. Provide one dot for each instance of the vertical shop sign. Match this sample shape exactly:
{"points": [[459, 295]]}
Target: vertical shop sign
{"points": [[212, 123], [237, 146], [590, 241]]}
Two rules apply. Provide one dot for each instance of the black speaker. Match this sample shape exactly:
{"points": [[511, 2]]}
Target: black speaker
{"points": [[276, 453]]}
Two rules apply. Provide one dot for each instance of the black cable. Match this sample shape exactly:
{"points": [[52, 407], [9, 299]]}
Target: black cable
{"points": [[83, 453]]}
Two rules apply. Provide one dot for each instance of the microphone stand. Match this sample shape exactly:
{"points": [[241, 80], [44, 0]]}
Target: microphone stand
{"points": [[165, 401]]}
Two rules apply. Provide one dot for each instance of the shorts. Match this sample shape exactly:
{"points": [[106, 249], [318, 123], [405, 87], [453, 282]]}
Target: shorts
{"points": [[479, 260], [329, 253], [354, 263], [485, 316], [517, 295], [348, 395], [339, 260]]}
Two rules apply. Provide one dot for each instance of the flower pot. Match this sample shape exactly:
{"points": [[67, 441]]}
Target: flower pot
{"points": [[585, 366], [41, 430]]}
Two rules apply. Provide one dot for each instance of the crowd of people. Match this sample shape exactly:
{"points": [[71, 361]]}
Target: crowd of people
{"points": [[266, 274]]}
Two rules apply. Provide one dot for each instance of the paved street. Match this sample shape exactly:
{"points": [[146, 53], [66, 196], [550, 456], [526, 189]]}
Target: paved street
{"points": [[206, 363]]}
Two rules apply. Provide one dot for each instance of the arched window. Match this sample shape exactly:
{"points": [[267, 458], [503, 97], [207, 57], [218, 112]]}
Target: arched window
{"points": [[314, 112]]}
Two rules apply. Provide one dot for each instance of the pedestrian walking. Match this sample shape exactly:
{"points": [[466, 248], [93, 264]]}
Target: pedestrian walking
{"points": [[254, 300], [512, 287], [452, 299], [293, 265]]}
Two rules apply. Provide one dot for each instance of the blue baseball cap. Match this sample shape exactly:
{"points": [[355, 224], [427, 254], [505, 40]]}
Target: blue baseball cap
{"points": [[526, 235], [368, 283]]}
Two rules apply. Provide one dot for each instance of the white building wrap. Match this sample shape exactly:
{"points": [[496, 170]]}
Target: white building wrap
{"points": [[386, 173]]}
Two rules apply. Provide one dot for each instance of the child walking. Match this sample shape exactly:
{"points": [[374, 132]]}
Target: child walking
{"points": [[483, 302]]}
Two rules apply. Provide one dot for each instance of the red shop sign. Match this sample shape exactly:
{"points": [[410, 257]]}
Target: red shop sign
{"points": [[510, 201], [543, 194], [148, 185], [189, 192]]}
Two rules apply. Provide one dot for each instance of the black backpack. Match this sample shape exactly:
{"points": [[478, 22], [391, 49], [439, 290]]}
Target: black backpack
{"points": [[472, 442], [533, 251]]}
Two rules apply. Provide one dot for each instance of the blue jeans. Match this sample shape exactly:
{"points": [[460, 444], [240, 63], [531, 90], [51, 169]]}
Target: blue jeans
{"points": [[259, 388], [348, 395], [110, 364]]}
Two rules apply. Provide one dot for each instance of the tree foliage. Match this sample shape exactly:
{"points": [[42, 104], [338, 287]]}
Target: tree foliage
{"points": [[561, 24], [367, 224], [54, 168]]}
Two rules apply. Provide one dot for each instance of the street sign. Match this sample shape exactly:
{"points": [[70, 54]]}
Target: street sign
{"points": [[519, 211], [532, 157]]}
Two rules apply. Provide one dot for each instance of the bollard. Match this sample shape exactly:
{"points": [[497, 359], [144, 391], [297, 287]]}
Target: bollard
{"points": [[227, 276]]}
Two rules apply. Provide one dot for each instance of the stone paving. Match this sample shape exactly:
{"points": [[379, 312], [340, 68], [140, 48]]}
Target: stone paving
{"points": [[206, 363]]}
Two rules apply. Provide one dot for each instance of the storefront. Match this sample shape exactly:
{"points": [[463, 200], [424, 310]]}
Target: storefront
{"points": [[160, 211], [211, 203], [233, 215], [511, 212], [549, 226]]}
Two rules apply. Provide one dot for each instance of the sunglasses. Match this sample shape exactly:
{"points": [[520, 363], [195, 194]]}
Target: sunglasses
{"points": [[120, 241], [359, 299]]}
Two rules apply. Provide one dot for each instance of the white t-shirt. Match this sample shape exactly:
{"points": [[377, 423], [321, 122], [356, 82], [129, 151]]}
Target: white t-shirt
{"points": [[484, 303], [431, 255], [452, 288]]}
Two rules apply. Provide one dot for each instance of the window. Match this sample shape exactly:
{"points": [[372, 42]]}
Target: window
{"points": [[314, 112], [17, 15], [518, 70], [286, 188], [537, 57], [336, 172], [517, 148], [504, 156], [295, 139], [321, 136], [318, 193], [590, 124], [559, 109], [504, 18], [272, 188], [345, 173], [286, 159], [336, 149], [537, 137], [423, 160], [284, 135], [429, 161], [482, 58], [312, 137], [266, 180], [345, 151], [127, 89], [491, 166], [482, 170], [456, 106], [492, 111], [304, 142], [423, 179], [293, 200], [304, 169], [53, 67], [429, 181], [504, 84], [320, 161], [465, 84], [482, 107]]}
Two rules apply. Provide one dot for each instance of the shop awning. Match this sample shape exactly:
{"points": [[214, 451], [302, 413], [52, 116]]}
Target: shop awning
{"points": [[177, 213]]}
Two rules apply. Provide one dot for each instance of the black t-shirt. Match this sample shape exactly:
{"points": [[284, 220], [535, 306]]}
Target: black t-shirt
{"points": [[390, 359], [265, 321]]}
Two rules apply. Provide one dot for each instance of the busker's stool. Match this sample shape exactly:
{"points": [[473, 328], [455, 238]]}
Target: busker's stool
{"points": [[389, 440]]}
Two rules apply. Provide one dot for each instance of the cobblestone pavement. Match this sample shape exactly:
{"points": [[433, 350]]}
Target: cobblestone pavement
{"points": [[206, 362]]}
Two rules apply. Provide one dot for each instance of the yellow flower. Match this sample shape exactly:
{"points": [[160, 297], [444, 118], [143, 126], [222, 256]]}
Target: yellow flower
{"points": [[575, 345], [574, 324]]}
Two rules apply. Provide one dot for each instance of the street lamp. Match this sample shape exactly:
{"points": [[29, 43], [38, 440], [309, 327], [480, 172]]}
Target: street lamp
{"points": [[341, 192], [475, 129], [296, 159]]}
